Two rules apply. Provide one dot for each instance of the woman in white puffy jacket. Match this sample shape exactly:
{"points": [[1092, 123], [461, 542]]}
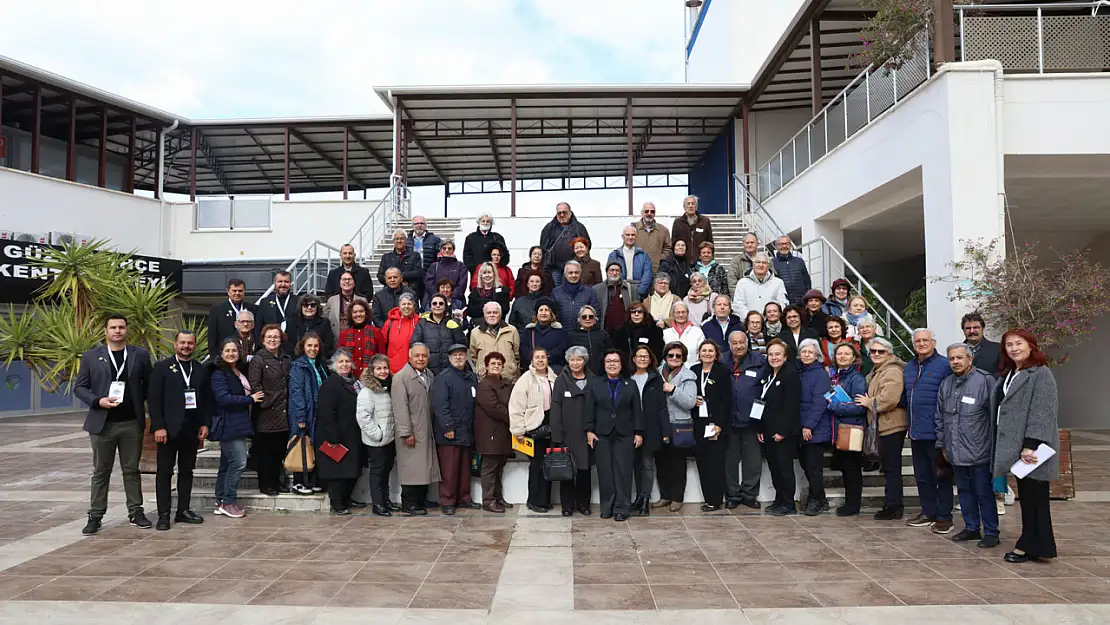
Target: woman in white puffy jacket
{"points": [[685, 331], [374, 412]]}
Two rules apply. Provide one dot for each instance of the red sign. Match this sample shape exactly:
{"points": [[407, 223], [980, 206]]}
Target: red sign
{"points": [[3, 147]]}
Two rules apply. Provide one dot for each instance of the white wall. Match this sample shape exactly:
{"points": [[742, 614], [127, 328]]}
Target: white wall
{"points": [[33, 203], [768, 132], [1057, 114], [611, 202], [736, 37]]}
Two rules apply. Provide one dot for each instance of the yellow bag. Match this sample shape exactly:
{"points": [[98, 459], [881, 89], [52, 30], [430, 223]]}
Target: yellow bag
{"points": [[300, 457]]}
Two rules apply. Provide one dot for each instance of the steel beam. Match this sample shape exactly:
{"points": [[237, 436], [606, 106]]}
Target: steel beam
{"points": [[210, 160], [512, 157], [36, 131], [287, 157], [815, 64], [130, 169], [193, 165], [630, 156], [346, 180], [308, 143], [71, 142], [364, 144], [423, 149], [747, 148], [496, 156]]}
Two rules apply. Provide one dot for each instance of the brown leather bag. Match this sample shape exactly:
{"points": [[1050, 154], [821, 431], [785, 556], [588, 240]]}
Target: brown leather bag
{"points": [[849, 437]]}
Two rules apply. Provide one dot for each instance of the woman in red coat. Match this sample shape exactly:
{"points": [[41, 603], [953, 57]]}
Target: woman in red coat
{"points": [[399, 325], [361, 339]]}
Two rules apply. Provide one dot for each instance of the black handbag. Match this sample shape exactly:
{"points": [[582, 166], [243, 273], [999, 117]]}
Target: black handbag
{"points": [[682, 435], [558, 465], [543, 431]]}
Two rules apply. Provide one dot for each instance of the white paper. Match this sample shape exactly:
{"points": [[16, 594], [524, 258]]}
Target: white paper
{"points": [[643, 339], [1043, 453], [115, 390], [710, 431], [703, 409], [190, 400], [968, 400], [757, 411]]}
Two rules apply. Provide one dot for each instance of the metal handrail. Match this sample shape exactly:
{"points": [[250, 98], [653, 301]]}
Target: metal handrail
{"points": [[378, 221], [759, 207], [310, 258]]}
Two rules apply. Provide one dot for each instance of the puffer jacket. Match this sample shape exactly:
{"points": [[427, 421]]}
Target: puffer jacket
{"points": [[526, 411], [922, 383], [551, 337], [792, 270], [439, 337], [745, 375], [717, 277], [884, 387], [712, 330], [305, 377], [964, 427], [754, 294], [815, 383], [445, 268], [596, 341], [571, 298], [503, 338], [398, 332], [231, 407], [853, 383], [453, 395], [682, 399], [641, 274], [270, 374], [374, 412]]}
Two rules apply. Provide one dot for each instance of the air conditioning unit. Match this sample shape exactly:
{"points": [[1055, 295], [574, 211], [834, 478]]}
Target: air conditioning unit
{"points": [[63, 238], [41, 238]]}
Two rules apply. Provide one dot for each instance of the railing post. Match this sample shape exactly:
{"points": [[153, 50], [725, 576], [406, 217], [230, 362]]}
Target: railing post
{"points": [[794, 156], [894, 79], [809, 145], [963, 41], [845, 102], [867, 94], [826, 131], [1040, 39]]}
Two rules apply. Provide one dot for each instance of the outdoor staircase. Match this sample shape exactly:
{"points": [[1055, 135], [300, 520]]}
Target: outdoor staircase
{"points": [[728, 241], [443, 228]]}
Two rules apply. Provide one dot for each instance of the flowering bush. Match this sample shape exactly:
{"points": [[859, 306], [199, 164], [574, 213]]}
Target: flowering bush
{"points": [[888, 34], [1057, 301]]}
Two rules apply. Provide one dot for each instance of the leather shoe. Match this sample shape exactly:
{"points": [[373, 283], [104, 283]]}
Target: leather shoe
{"points": [[619, 517], [662, 503], [188, 516], [494, 508], [504, 504], [359, 504], [966, 535], [396, 507], [568, 512], [585, 511], [732, 504], [751, 503], [413, 510], [473, 505], [163, 522], [1016, 558], [449, 510], [381, 510], [606, 516], [707, 507], [539, 509]]}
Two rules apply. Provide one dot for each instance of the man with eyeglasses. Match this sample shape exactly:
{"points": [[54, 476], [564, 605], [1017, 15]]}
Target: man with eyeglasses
{"points": [[758, 287], [556, 237], [653, 237], [923, 376], [744, 456]]}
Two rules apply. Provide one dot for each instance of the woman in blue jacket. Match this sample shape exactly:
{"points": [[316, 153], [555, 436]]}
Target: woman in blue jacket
{"points": [[305, 376], [816, 423], [545, 332], [846, 373], [231, 425]]}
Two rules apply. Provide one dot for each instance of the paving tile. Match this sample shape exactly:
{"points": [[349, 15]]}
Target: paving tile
{"points": [[215, 550], [14, 585], [609, 574], [153, 548], [279, 551], [332, 552], [474, 573], [394, 573], [1050, 568], [897, 570], [92, 547], [229, 591], [613, 597], [931, 592], [833, 571], [322, 572], [473, 554], [115, 567], [977, 568], [789, 552], [458, 596], [360, 595], [47, 565], [681, 573], [743, 573], [874, 551], [758, 596], [692, 596], [1095, 565], [838, 594], [71, 589], [255, 570], [1085, 590], [523, 597], [1010, 591], [653, 555], [393, 551], [185, 567], [298, 594], [146, 589]]}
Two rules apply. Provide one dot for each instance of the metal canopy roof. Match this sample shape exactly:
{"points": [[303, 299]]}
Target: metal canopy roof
{"points": [[464, 134]]}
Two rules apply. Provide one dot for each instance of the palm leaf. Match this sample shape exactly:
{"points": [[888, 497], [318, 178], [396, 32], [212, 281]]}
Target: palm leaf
{"points": [[79, 272], [62, 340], [145, 304], [17, 335]]}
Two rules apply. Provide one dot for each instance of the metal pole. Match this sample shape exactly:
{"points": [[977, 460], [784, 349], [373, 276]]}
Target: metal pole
{"points": [[794, 156], [102, 160], [809, 145], [193, 165], [36, 131], [845, 103], [1040, 39], [286, 163], [71, 142], [346, 183], [894, 78], [826, 131], [867, 94], [816, 90], [131, 155], [963, 40], [747, 163], [630, 164], [512, 157]]}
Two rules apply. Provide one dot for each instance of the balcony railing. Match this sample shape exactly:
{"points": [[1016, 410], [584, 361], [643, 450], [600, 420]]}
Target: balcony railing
{"points": [[1057, 37], [868, 95]]}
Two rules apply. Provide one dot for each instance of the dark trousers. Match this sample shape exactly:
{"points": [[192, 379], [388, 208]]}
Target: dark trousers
{"points": [[710, 458], [339, 491], [643, 465], [575, 494], [180, 450], [539, 489], [1036, 538], [851, 467], [812, 459], [454, 469], [493, 468], [934, 491], [973, 483], [743, 464], [414, 496], [269, 453], [670, 469], [780, 460], [614, 472], [126, 437], [890, 455], [380, 462]]}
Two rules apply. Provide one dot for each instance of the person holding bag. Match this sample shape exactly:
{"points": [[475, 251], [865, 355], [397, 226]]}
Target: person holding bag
{"points": [[846, 374], [374, 413], [681, 388], [780, 424], [306, 374], [529, 416], [711, 414], [883, 402], [339, 438], [568, 405]]}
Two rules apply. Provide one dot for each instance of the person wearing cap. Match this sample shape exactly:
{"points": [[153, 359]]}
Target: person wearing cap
{"points": [[615, 296], [545, 332], [812, 316], [453, 395], [837, 304]]}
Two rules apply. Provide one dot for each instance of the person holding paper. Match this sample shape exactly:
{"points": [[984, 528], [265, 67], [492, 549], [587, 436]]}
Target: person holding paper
{"points": [[337, 427], [780, 424], [845, 374], [964, 436], [816, 421], [1024, 404], [711, 415]]}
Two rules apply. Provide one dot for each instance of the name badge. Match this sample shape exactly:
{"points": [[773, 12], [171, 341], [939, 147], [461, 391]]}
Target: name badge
{"points": [[566, 393], [968, 400], [115, 390], [283, 326], [751, 374], [497, 290], [757, 411], [473, 392], [643, 340], [190, 400], [703, 409], [699, 229]]}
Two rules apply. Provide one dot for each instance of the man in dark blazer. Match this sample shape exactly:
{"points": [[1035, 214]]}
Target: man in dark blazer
{"points": [[180, 413], [113, 380], [364, 284], [222, 316], [987, 354], [279, 306], [407, 262]]}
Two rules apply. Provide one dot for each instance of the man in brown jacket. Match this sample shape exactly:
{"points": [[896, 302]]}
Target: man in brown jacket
{"points": [[653, 237], [691, 226]]}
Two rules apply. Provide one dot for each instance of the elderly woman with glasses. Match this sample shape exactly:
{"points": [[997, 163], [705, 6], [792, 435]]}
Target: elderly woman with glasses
{"points": [[680, 386], [568, 404], [884, 394]]}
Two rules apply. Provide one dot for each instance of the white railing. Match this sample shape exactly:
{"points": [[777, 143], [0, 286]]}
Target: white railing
{"points": [[871, 93], [1042, 40]]}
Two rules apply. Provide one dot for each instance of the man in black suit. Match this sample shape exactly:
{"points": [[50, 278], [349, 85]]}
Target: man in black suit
{"points": [[364, 284], [180, 413], [407, 262], [986, 354], [279, 306], [113, 380], [222, 316]]}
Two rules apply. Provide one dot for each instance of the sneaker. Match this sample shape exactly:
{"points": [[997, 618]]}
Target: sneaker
{"points": [[920, 521], [966, 535], [888, 514], [234, 510], [942, 527], [92, 527], [988, 542], [317, 489], [140, 521], [1000, 504], [219, 509], [301, 489]]}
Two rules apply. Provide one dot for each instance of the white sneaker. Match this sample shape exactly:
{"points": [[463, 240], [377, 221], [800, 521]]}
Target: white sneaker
{"points": [[1000, 504]]}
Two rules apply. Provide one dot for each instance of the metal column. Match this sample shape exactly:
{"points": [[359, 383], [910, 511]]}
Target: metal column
{"points": [[130, 182], [629, 156], [731, 130], [512, 157], [944, 37], [286, 163], [747, 159], [71, 141], [36, 130], [815, 64], [102, 155], [346, 135], [193, 165], [396, 140]]}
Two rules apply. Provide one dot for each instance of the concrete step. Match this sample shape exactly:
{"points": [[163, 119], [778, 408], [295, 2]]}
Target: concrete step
{"points": [[205, 479]]}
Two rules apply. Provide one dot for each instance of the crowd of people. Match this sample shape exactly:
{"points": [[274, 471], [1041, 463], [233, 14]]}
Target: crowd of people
{"points": [[629, 368]]}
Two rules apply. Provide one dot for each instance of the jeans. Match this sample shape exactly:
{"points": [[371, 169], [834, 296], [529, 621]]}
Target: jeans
{"points": [[233, 459], [180, 450], [934, 492], [890, 453], [977, 498], [743, 464], [127, 438]]}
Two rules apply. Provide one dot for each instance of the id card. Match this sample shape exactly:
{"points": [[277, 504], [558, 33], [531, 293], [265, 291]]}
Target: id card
{"points": [[190, 399], [703, 409], [283, 326], [115, 391], [757, 411]]}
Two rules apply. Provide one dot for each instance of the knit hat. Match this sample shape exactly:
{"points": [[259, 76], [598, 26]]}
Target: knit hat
{"points": [[841, 282], [612, 263], [549, 302], [812, 293]]}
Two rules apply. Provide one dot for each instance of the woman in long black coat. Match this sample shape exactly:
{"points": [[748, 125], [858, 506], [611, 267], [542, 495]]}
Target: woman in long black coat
{"points": [[337, 424], [780, 425], [640, 329], [714, 408], [656, 422], [568, 405], [614, 424]]}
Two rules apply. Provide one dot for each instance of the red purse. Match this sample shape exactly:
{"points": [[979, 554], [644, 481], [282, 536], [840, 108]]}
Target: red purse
{"points": [[333, 451]]}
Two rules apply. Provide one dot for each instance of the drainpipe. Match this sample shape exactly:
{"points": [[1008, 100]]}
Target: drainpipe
{"points": [[161, 184], [1000, 157]]}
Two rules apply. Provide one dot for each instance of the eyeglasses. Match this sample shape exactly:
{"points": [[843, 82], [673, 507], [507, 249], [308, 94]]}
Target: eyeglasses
{"points": [[586, 317], [877, 352], [637, 312], [438, 304], [309, 305], [649, 212], [675, 355], [246, 322]]}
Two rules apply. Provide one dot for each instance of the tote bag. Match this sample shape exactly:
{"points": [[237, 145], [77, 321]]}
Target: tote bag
{"points": [[300, 457]]}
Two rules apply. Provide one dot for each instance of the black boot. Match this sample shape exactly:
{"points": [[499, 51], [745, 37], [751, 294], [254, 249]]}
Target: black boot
{"points": [[92, 527], [645, 507], [163, 522], [638, 505]]}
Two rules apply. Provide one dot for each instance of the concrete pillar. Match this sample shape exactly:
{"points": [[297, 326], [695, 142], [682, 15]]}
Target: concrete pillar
{"points": [[963, 187]]}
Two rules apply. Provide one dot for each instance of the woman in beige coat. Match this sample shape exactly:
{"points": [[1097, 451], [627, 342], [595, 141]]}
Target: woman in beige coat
{"points": [[884, 393], [417, 465], [529, 415]]}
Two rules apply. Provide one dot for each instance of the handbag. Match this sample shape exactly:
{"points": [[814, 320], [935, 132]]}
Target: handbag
{"points": [[871, 439], [543, 431], [849, 437], [943, 467], [476, 465], [558, 465], [333, 451], [300, 457], [682, 435]]}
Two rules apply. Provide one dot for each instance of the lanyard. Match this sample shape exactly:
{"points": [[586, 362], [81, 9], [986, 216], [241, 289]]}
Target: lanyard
{"points": [[767, 386], [1009, 380], [238, 310], [704, 378], [319, 379], [281, 305], [181, 365], [119, 369]]}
